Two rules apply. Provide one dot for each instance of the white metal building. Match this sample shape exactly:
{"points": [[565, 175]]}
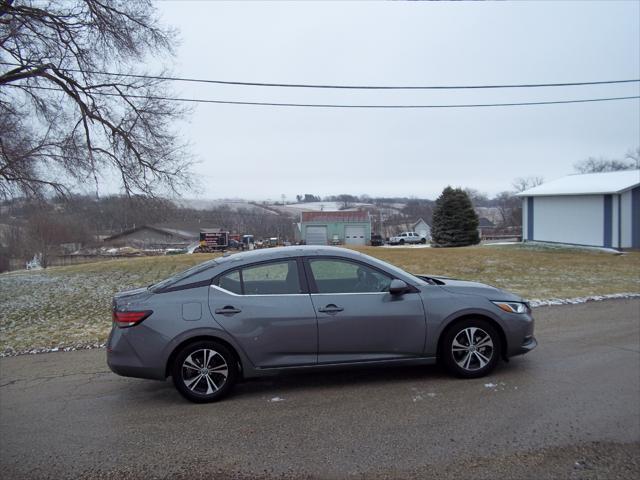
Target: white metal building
{"points": [[594, 209], [423, 229]]}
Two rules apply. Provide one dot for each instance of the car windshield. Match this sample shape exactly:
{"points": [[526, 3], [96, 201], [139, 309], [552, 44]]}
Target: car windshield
{"points": [[181, 275]]}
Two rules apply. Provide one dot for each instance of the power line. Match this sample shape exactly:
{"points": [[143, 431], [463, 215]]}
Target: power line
{"points": [[349, 87], [331, 105]]}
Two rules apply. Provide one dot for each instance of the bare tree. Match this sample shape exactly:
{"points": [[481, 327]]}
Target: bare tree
{"points": [[63, 121], [524, 183], [478, 198], [599, 165], [633, 157], [510, 209]]}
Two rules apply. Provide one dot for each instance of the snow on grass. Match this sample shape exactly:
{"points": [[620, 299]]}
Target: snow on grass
{"points": [[69, 307], [574, 301]]}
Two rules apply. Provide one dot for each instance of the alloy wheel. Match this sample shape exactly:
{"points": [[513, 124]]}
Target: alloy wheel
{"points": [[472, 349], [204, 371]]}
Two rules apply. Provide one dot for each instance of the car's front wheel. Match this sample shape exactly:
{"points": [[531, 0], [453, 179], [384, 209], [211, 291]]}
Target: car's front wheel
{"points": [[204, 371], [471, 348]]}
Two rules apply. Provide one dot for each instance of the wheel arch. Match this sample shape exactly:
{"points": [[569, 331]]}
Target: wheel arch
{"points": [[453, 322]]}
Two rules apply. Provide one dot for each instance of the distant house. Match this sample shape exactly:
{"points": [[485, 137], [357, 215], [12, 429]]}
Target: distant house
{"points": [[340, 227], [152, 237], [423, 229], [485, 226], [595, 209]]}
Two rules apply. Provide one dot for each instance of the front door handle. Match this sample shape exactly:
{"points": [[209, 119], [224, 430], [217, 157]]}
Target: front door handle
{"points": [[331, 309], [228, 310]]}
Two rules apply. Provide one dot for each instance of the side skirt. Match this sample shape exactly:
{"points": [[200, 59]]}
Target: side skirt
{"points": [[260, 372]]}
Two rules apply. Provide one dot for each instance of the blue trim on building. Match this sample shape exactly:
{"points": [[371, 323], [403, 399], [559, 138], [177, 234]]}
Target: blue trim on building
{"points": [[619, 221], [635, 218], [529, 218], [608, 220]]}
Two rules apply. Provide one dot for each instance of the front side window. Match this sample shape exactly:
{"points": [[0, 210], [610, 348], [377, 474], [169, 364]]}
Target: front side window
{"points": [[274, 278], [340, 276]]}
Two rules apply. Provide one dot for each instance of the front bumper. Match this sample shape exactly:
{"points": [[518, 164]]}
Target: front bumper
{"points": [[528, 344]]}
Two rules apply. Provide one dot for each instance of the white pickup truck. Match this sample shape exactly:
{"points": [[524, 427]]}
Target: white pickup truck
{"points": [[407, 237]]}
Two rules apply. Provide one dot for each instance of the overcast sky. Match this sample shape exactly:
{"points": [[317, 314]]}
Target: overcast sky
{"points": [[262, 152]]}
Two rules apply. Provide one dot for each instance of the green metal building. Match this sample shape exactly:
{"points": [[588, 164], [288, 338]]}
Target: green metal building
{"points": [[335, 228]]}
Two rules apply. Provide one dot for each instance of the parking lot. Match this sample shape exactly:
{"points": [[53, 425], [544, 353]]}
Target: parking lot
{"points": [[567, 410]]}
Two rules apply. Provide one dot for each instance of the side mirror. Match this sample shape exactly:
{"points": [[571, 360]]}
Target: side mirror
{"points": [[398, 287]]}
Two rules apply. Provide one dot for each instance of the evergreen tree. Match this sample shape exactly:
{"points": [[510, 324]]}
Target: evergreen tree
{"points": [[455, 223]]}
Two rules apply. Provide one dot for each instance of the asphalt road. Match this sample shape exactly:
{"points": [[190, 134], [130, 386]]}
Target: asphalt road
{"points": [[570, 409]]}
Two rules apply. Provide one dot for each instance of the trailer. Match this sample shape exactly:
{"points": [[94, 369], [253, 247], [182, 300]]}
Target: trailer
{"points": [[213, 240]]}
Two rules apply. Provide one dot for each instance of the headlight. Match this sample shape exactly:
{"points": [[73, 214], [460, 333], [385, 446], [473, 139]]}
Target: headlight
{"points": [[513, 307]]}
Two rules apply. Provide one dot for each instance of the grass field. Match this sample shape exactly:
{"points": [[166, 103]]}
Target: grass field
{"points": [[69, 306]]}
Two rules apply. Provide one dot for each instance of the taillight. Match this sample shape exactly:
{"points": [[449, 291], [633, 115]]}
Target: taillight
{"points": [[129, 319]]}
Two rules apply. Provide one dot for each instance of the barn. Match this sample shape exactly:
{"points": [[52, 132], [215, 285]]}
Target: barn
{"points": [[594, 209], [341, 227], [152, 237]]}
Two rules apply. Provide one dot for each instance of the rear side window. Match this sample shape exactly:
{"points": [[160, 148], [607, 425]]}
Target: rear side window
{"points": [[339, 276], [230, 282], [276, 278]]}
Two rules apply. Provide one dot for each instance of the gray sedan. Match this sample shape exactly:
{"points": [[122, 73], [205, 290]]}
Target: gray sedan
{"points": [[275, 310]]}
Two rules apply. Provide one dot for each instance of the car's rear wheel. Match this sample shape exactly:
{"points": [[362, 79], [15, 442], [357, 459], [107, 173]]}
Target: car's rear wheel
{"points": [[401, 242], [423, 240], [204, 371], [471, 348]]}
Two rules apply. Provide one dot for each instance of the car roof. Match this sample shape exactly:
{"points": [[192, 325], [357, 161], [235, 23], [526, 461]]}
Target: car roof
{"points": [[285, 252]]}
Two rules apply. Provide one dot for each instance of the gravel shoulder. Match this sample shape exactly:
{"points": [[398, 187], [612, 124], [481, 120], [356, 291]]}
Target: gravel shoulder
{"points": [[568, 410]]}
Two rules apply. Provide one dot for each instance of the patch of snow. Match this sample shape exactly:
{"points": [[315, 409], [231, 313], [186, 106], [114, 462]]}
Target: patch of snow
{"points": [[323, 206], [588, 183], [276, 399], [503, 243], [490, 385], [578, 300], [35, 351], [191, 248], [431, 395], [565, 246], [418, 245], [417, 398]]}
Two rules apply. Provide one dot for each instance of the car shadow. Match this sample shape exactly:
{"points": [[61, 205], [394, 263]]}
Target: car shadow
{"points": [[338, 377], [287, 383]]}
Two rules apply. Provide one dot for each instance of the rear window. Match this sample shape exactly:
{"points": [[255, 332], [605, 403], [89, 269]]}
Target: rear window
{"points": [[274, 278]]}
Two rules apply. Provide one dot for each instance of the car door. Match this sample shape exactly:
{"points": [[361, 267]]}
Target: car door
{"points": [[358, 319], [268, 311]]}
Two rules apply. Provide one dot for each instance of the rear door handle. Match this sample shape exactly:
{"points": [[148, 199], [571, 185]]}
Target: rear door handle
{"points": [[228, 310], [331, 309]]}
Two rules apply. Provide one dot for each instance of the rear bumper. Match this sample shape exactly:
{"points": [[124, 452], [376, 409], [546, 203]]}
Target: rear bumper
{"points": [[123, 360]]}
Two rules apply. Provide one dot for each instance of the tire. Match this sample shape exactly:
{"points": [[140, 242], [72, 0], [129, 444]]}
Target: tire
{"points": [[401, 242], [423, 240], [477, 361], [215, 384]]}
